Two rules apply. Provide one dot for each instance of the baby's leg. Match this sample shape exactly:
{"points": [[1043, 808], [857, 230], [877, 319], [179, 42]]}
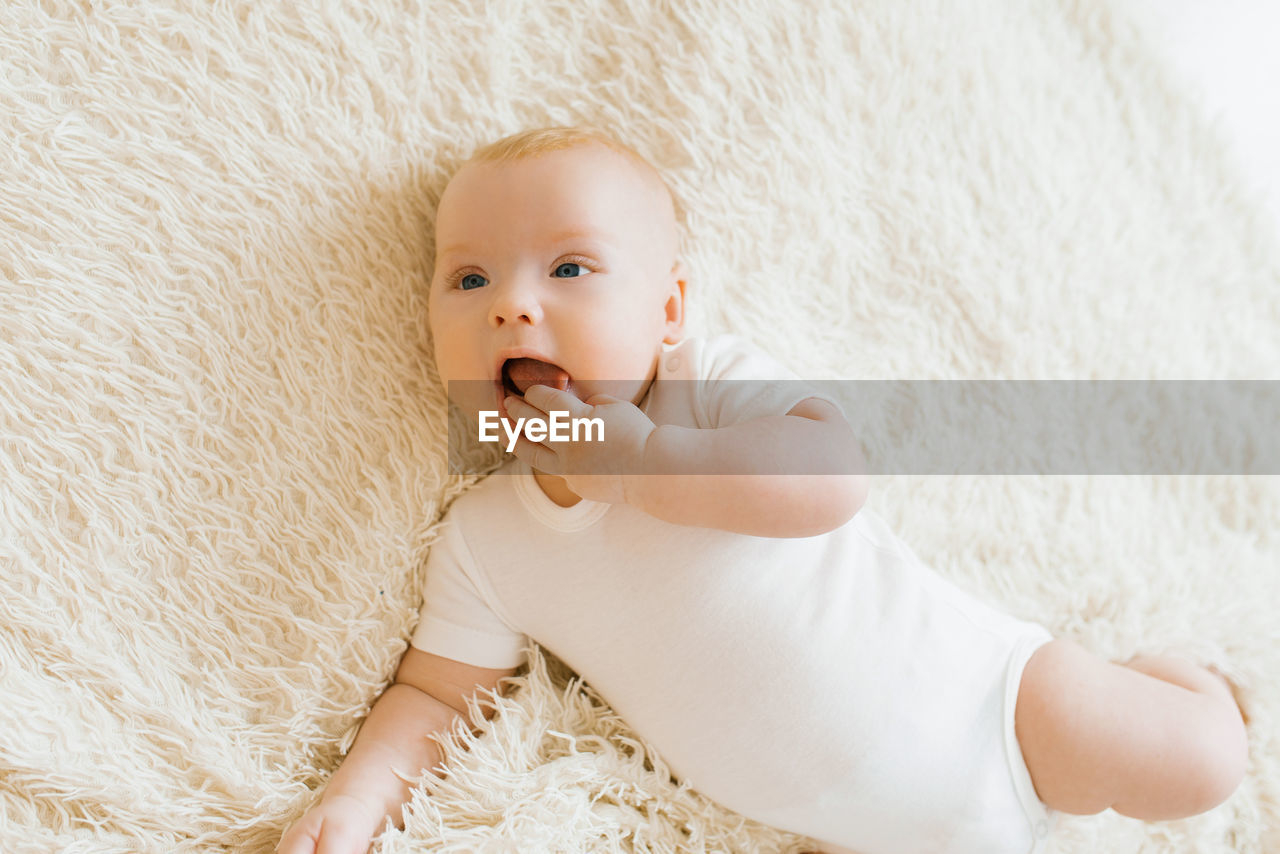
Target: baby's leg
{"points": [[1158, 738]]}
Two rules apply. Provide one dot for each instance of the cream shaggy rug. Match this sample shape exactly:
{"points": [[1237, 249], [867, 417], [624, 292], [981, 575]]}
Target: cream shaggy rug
{"points": [[222, 441]]}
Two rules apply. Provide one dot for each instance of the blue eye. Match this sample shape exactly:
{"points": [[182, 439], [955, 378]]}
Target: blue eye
{"points": [[471, 281], [565, 271]]}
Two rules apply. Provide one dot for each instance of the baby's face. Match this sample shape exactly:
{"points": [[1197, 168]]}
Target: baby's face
{"points": [[559, 270]]}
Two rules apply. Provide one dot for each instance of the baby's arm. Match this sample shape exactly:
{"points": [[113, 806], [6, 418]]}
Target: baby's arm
{"points": [[742, 477], [764, 497], [393, 746]]}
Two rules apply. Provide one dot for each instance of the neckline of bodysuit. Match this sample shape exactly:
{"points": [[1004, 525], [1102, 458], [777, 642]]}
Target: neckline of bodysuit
{"points": [[581, 515]]}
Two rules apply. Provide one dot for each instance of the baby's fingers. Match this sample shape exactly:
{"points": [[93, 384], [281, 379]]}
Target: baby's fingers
{"points": [[547, 399], [343, 840], [538, 456], [518, 407], [301, 837], [340, 825]]}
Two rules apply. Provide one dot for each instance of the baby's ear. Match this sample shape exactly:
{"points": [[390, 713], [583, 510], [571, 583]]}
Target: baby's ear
{"points": [[674, 306]]}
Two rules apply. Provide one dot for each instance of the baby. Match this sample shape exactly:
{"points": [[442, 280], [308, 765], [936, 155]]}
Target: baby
{"points": [[785, 653]]}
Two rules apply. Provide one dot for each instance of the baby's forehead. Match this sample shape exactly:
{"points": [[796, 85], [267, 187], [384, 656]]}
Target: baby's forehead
{"points": [[590, 157], [635, 178]]}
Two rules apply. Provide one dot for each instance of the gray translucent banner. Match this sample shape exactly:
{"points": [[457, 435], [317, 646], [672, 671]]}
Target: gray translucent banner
{"points": [[1001, 427]]}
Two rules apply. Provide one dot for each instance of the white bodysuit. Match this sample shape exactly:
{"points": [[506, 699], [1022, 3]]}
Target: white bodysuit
{"points": [[833, 686]]}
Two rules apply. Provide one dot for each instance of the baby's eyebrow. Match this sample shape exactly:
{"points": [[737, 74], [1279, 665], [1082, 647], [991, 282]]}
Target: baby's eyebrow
{"points": [[449, 250], [575, 234], [593, 242], [596, 238]]}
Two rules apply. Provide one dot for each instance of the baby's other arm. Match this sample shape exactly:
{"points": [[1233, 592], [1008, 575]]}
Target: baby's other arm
{"points": [[765, 496], [393, 747], [754, 477]]}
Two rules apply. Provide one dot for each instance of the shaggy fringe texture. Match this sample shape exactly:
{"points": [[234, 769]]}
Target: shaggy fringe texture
{"points": [[222, 440]]}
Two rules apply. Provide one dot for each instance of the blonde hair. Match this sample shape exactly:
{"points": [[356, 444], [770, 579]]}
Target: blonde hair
{"points": [[539, 141], [532, 143]]}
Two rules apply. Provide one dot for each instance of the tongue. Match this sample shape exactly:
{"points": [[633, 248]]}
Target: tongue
{"points": [[530, 372]]}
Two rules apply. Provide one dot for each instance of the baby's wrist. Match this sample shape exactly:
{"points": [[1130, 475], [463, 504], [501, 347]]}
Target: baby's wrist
{"points": [[634, 482], [660, 456]]}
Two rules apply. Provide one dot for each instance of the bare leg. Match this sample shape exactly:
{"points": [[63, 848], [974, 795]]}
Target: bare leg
{"points": [[1158, 738], [1179, 671]]}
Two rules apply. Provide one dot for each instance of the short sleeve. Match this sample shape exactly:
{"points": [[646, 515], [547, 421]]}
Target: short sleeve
{"points": [[739, 382], [456, 621]]}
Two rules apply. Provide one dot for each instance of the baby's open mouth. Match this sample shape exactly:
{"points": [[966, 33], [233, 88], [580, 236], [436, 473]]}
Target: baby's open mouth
{"points": [[519, 374]]}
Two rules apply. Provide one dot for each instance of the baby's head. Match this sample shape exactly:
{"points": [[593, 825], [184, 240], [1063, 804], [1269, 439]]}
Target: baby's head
{"points": [[555, 264]]}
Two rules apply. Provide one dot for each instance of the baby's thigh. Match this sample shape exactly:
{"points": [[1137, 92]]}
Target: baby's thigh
{"points": [[1096, 735]]}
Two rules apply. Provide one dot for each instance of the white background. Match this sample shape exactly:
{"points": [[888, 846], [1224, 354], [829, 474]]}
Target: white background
{"points": [[1228, 53]]}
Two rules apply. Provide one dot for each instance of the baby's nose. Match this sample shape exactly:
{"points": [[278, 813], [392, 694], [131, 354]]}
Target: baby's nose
{"points": [[515, 304]]}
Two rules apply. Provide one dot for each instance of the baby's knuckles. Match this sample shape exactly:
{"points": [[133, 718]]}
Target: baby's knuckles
{"points": [[599, 466], [600, 470]]}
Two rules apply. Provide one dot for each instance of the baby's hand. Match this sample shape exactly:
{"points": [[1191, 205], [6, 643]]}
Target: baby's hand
{"points": [[337, 825], [594, 467]]}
